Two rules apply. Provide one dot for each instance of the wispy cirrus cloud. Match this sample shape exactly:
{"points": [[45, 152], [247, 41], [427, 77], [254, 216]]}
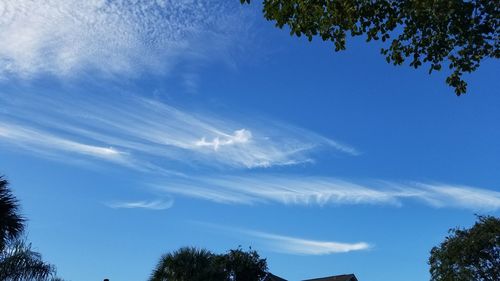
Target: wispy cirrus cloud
{"points": [[284, 189], [63, 37], [72, 149], [149, 205], [289, 244], [44, 142], [300, 246], [239, 136], [132, 130], [150, 136], [447, 195], [321, 191]]}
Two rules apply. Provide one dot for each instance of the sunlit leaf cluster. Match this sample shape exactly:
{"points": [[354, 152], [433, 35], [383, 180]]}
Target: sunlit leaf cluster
{"points": [[452, 33]]}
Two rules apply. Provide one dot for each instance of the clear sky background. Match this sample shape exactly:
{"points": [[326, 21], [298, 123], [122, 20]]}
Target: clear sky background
{"points": [[131, 128]]}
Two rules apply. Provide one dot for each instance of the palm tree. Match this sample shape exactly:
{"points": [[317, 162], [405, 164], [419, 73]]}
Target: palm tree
{"points": [[11, 222], [18, 262], [188, 264], [192, 264]]}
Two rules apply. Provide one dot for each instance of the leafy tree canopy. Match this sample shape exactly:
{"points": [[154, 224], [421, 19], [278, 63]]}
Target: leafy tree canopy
{"points": [[241, 265], [469, 254], [459, 33], [192, 264]]}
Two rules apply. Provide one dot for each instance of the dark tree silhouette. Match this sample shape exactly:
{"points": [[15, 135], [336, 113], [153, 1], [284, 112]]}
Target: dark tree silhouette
{"points": [[18, 262], [188, 264], [462, 33], [11, 222], [192, 264], [244, 266], [469, 254]]}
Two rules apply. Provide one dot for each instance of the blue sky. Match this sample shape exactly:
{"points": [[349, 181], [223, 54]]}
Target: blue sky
{"points": [[129, 129]]}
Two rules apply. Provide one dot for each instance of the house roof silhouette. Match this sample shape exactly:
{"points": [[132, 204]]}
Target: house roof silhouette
{"points": [[345, 277], [272, 277]]}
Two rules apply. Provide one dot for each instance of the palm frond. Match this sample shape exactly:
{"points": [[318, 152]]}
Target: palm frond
{"points": [[18, 262], [11, 222]]}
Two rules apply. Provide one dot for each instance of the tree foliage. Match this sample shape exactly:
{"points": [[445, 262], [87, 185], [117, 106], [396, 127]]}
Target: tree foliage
{"points": [[244, 266], [460, 33], [18, 262], [11, 222], [469, 254], [192, 264], [187, 264]]}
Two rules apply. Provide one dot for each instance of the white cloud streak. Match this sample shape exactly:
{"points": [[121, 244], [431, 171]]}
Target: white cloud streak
{"points": [[37, 140], [292, 245], [63, 37], [147, 131], [293, 190], [240, 136], [300, 246], [442, 195], [149, 205], [150, 136]]}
